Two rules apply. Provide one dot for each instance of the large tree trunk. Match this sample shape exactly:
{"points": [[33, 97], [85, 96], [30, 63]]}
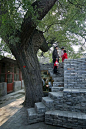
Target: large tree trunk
{"points": [[31, 76], [26, 55]]}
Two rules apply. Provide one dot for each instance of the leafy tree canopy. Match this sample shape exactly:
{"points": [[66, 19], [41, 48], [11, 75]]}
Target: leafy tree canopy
{"points": [[63, 24]]}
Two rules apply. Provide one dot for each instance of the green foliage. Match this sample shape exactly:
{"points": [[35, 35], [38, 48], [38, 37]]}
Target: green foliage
{"points": [[63, 24], [12, 16], [4, 47]]}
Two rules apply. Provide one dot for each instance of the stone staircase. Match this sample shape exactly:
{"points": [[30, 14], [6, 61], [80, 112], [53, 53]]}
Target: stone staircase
{"points": [[48, 103], [57, 108]]}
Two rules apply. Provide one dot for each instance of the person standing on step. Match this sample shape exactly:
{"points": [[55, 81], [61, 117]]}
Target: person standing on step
{"points": [[64, 56], [55, 57], [55, 54]]}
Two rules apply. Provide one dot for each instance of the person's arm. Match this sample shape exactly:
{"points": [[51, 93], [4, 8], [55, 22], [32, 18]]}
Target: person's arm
{"points": [[62, 53], [58, 55]]}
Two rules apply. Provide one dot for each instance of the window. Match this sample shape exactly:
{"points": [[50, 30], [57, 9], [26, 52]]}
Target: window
{"points": [[9, 76], [9, 69], [2, 78]]}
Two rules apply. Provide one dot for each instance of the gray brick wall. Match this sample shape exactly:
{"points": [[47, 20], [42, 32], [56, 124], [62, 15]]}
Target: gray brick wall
{"points": [[75, 85], [75, 73], [3, 88]]}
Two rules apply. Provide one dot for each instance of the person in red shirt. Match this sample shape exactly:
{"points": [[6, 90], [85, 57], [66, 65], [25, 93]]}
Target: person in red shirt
{"points": [[64, 56]]}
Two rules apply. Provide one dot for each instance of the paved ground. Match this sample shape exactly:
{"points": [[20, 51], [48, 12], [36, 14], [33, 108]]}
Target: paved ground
{"points": [[14, 116]]}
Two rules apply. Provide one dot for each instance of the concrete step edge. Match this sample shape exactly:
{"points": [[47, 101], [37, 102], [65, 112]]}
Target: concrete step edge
{"points": [[33, 116], [40, 108], [55, 94]]}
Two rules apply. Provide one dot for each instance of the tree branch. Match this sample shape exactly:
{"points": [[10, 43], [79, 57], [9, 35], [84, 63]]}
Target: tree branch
{"points": [[77, 5], [50, 26], [40, 9]]}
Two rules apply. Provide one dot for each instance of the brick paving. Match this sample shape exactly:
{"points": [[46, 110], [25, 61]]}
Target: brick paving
{"points": [[14, 116]]}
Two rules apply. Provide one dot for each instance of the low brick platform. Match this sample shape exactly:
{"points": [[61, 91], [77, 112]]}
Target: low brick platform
{"points": [[75, 100], [66, 119]]}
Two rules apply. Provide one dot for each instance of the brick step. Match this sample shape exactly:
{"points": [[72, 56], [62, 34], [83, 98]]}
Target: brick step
{"points": [[66, 119], [53, 75], [34, 117], [74, 85], [56, 75], [48, 102], [60, 69], [79, 94], [58, 100], [58, 84], [75, 90], [40, 108], [56, 89], [50, 72], [50, 69], [59, 79], [55, 95]]}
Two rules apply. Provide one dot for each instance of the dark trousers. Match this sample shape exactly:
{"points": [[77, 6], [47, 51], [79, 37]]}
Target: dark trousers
{"points": [[54, 67]]}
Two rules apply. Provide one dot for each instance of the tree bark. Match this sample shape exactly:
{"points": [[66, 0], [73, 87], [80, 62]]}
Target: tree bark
{"points": [[31, 75], [26, 55]]}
